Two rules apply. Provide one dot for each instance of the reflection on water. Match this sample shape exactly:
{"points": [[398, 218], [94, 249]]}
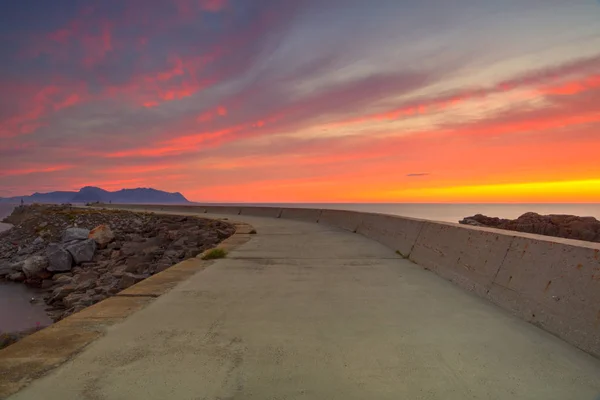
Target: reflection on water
{"points": [[17, 312]]}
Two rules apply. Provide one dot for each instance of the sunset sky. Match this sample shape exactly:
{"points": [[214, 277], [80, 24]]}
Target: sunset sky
{"points": [[303, 100]]}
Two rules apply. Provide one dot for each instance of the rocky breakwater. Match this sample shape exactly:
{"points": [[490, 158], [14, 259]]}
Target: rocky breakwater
{"points": [[565, 226], [79, 257]]}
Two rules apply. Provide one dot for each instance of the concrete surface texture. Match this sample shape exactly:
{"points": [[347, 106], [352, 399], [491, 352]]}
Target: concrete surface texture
{"points": [[309, 311]]}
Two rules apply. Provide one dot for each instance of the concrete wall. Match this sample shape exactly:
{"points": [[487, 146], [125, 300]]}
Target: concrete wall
{"points": [[398, 233], [347, 220], [272, 212], [301, 214], [551, 282]]}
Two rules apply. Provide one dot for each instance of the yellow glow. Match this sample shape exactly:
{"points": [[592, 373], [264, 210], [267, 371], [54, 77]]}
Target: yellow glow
{"points": [[566, 191]]}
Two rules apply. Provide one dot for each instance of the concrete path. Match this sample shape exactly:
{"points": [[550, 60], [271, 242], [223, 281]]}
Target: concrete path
{"points": [[304, 311]]}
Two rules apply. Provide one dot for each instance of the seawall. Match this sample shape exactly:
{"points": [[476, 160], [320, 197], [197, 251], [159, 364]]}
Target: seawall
{"points": [[550, 282]]}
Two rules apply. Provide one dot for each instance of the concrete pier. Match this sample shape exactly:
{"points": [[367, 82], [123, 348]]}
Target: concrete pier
{"points": [[307, 310]]}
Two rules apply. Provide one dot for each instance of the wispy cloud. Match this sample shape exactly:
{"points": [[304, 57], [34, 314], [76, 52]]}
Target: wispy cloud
{"points": [[327, 100]]}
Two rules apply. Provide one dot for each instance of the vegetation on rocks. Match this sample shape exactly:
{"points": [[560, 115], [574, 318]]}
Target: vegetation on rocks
{"points": [[81, 256], [214, 254]]}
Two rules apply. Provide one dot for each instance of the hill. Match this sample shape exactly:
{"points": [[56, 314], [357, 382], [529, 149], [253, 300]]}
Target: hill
{"points": [[90, 194]]}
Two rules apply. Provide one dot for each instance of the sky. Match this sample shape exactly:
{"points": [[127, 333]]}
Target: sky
{"points": [[303, 100]]}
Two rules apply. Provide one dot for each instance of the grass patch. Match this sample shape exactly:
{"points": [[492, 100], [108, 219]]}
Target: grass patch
{"points": [[214, 254]]}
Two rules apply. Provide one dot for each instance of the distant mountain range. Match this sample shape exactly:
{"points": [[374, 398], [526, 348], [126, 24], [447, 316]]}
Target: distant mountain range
{"points": [[90, 194]]}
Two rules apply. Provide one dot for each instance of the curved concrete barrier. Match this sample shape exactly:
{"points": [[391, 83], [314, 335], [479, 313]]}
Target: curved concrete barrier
{"points": [[231, 210], [347, 220], [470, 258], [554, 284], [397, 233], [551, 282], [301, 214], [271, 212]]}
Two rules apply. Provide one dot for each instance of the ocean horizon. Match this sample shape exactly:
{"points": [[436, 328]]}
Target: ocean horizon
{"points": [[445, 212]]}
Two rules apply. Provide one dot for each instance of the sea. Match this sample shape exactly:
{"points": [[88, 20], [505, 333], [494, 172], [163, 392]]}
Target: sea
{"points": [[21, 307], [17, 312]]}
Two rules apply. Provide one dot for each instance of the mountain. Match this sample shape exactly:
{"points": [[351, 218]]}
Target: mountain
{"points": [[91, 194]]}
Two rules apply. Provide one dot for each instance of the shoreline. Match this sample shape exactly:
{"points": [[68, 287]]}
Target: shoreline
{"points": [[4, 227], [115, 250]]}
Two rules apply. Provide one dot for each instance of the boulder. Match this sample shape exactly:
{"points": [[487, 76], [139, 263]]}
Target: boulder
{"points": [[566, 226], [71, 234], [82, 251], [102, 235], [72, 299], [16, 277], [129, 279], [8, 268], [59, 259], [62, 278], [47, 283], [86, 284], [61, 292], [34, 266]]}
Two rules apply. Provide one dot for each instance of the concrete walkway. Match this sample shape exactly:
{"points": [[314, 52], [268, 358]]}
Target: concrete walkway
{"points": [[304, 311]]}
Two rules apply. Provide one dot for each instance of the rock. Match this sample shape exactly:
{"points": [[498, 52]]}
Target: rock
{"points": [[72, 299], [98, 297], [38, 241], [8, 268], [61, 292], [62, 278], [174, 255], [116, 254], [82, 251], [192, 253], [103, 235], [47, 283], [34, 266], [114, 246], [85, 276], [134, 264], [59, 259], [161, 266], [16, 277], [180, 243], [470, 221], [75, 234], [129, 279], [566, 226], [86, 284], [222, 234]]}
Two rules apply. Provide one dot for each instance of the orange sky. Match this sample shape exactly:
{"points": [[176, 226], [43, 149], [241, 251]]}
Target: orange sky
{"points": [[310, 102]]}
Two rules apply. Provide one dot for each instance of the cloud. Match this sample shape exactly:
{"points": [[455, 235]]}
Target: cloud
{"points": [[324, 98]]}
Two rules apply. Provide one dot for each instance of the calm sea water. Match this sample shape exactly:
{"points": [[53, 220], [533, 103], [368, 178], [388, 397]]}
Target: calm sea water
{"points": [[17, 312], [5, 210], [450, 212]]}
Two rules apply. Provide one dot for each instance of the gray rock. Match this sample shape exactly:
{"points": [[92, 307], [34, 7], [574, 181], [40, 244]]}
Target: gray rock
{"points": [[34, 266], [16, 277], [75, 234], [82, 251], [59, 259], [129, 279], [73, 298], [7, 268], [61, 292], [38, 240], [86, 284], [47, 283]]}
